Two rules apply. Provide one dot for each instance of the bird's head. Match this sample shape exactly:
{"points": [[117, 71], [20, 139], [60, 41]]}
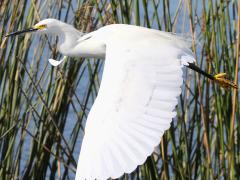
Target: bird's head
{"points": [[46, 26]]}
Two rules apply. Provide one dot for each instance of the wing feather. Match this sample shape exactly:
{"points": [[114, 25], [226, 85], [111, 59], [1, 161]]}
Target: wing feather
{"points": [[134, 106]]}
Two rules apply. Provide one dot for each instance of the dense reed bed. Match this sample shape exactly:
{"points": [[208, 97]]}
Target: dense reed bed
{"points": [[43, 109]]}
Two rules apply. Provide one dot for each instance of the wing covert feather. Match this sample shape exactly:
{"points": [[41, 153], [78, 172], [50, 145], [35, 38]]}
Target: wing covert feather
{"points": [[134, 106]]}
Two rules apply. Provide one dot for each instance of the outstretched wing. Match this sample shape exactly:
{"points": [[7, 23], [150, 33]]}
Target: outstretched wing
{"points": [[134, 106]]}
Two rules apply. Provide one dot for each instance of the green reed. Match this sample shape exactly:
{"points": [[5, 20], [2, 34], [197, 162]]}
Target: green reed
{"points": [[37, 101]]}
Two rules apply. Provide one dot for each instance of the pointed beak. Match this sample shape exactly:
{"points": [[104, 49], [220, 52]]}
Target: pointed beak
{"points": [[21, 32]]}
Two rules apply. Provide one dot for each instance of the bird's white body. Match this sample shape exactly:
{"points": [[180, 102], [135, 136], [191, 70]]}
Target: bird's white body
{"points": [[141, 81]]}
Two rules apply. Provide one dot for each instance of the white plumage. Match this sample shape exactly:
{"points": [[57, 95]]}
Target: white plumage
{"points": [[136, 100], [140, 85]]}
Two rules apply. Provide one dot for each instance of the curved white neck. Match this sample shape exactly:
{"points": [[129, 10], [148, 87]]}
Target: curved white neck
{"points": [[74, 43]]}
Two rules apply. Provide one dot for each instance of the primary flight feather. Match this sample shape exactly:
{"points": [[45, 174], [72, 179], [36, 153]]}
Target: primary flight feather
{"points": [[140, 85]]}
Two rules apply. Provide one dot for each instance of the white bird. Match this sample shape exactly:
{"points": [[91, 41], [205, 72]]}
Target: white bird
{"points": [[135, 104]]}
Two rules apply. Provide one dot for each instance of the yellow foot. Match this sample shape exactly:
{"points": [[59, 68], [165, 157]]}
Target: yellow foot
{"points": [[223, 81]]}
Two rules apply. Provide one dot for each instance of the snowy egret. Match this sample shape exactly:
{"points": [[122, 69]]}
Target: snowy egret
{"points": [[141, 81]]}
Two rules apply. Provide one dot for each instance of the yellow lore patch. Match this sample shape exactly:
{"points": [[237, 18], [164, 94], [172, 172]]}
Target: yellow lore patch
{"points": [[40, 27]]}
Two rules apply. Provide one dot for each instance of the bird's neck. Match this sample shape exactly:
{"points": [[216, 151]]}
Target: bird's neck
{"points": [[74, 43], [68, 37]]}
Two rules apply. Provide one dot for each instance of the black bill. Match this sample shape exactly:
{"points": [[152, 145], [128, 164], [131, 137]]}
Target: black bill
{"points": [[21, 32]]}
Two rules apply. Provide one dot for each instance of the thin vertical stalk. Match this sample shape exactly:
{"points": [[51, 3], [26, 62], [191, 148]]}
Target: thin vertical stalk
{"points": [[234, 100]]}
